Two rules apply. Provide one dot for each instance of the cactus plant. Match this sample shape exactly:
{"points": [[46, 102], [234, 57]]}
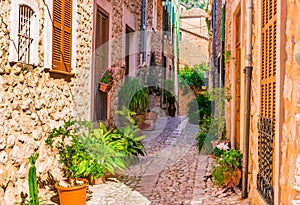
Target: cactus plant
{"points": [[32, 182]]}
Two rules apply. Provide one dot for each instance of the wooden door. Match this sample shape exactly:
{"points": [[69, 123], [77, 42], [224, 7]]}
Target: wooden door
{"points": [[237, 80], [101, 63], [237, 100]]}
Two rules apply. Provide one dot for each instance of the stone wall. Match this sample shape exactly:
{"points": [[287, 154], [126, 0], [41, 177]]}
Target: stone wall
{"points": [[117, 35], [184, 100], [32, 103], [228, 65], [218, 29], [194, 47]]}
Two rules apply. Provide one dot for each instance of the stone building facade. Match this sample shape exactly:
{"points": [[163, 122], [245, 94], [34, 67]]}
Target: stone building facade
{"points": [[125, 38], [53, 79], [274, 116], [194, 36], [32, 102]]}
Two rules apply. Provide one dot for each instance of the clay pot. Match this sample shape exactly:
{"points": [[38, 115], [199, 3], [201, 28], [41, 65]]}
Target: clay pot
{"points": [[75, 195], [232, 178], [100, 180], [141, 119], [151, 116], [104, 87]]}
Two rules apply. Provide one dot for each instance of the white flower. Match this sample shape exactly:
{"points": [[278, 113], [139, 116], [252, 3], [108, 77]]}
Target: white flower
{"points": [[223, 146]]}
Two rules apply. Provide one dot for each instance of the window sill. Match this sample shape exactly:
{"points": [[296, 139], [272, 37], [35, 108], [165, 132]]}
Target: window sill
{"points": [[58, 74]]}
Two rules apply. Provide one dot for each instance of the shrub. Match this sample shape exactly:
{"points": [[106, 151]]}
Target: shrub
{"points": [[199, 109]]}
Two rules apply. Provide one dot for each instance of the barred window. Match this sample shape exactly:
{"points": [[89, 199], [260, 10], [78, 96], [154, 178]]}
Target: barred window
{"points": [[24, 35]]}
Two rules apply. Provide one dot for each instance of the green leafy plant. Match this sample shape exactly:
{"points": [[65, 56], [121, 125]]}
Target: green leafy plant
{"points": [[72, 154], [140, 101], [218, 152], [199, 109], [192, 77], [108, 77], [227, 55], [218, 96], [126, 138], [103, 155], [217, 175], [134, 95], [229, 161]]}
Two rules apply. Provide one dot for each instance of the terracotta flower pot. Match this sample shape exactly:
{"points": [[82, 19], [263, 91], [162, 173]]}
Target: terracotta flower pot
{"points": [[140, 119], [72, 195], [232, 178], [105, 87], [151, 116], [99, 180]]}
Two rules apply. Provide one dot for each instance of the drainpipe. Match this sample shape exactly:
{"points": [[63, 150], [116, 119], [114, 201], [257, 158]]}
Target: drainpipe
{"points": [[222, 73], [145, 30], [248, 73], [177, 51], [142, 32]]}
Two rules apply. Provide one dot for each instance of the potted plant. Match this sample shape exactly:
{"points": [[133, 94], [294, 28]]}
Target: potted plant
{"points": [[84, 154], [73, 157], [107, 80], [227, 171], [220, 149], [135, 96]]}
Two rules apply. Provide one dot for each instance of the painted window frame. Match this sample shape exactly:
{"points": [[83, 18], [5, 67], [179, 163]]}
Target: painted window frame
{"points": [[34, 34]]}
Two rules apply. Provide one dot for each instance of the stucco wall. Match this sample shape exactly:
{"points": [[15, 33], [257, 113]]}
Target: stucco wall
{"points": [[32, 103], [290, 143]]}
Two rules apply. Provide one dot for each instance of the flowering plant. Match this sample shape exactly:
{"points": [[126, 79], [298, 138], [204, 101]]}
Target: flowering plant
{"points": [[220, 149], [108, 77], [223, 146]]}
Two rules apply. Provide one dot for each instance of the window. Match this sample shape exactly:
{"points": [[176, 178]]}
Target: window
{"points": [[101, 62], [62, 35], [154, 15], [24, 37]]}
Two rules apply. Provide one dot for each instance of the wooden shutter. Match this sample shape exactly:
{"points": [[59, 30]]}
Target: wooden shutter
{"points": [[62, 35], [266, 123], [101, 62]]}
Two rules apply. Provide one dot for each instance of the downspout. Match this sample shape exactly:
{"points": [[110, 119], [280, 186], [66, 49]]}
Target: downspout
{"points": [[142, 32], [145, 28], [214, 45], [162, 53], [222, 73], [177, 51], [248, 73]]}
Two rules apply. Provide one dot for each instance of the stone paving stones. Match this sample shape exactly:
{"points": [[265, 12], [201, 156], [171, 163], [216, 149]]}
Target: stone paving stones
{"points": [[172, 173]]}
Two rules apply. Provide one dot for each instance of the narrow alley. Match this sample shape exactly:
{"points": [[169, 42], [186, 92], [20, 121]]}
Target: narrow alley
{"points": [[171, 173]]}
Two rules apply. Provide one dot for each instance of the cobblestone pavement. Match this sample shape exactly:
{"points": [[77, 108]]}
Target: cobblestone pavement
{"points": [[171, 173]]}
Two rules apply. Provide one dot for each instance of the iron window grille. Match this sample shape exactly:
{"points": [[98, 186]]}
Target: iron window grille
{"points": [[24, 36], [265, 158]]}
